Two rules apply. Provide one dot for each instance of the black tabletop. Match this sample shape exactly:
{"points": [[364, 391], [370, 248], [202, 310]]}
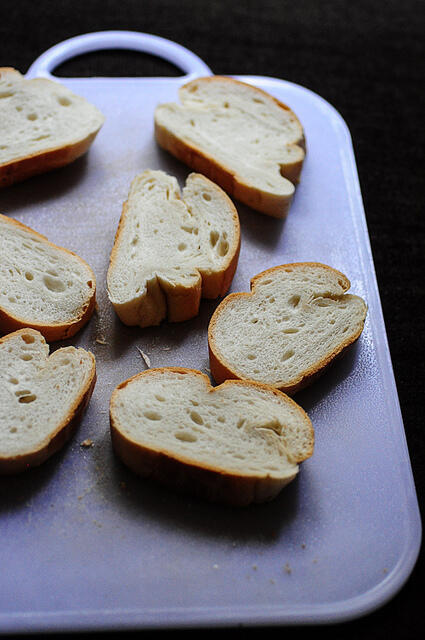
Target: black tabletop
{"points": [[366, 59]]}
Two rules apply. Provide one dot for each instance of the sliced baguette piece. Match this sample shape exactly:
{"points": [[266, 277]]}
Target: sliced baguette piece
{"points": [[42, 286], [237, 443], [43, 125], [295, 321], [42, 398], [239, 136], [171, 249]]}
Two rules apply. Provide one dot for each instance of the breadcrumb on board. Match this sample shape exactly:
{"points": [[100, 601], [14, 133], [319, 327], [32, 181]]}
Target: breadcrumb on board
{"points": [[87, 443], [145, 357]]}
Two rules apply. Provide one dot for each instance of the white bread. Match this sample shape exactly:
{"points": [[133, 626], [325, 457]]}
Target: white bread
{"points": [[288, 329], [43, 125], [42, 286], [237, 443], [171, 249], [42, 398], [239, 136]]}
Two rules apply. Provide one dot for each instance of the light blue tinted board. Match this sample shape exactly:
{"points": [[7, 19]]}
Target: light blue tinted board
{"points": [[86, 545]]}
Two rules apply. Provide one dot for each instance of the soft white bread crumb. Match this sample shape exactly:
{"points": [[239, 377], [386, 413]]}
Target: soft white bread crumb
{"points": [[43, 125], [41, 398], [171, 249], [242, 138], [42, 285], [237, 443], [291, 326]]}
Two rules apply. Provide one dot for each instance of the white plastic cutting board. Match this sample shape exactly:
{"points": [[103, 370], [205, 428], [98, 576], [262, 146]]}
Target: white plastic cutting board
{"points": [[85, 544]]}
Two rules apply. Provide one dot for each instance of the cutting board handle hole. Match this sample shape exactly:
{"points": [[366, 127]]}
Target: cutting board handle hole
{"points": [[113, 63]]}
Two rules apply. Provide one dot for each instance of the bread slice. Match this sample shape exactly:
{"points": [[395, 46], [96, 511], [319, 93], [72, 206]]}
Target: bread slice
{"points": [[42, 398], [291, 326], [42, 286], [171, 249], [43, 125], [237, 443], [241, 137]]}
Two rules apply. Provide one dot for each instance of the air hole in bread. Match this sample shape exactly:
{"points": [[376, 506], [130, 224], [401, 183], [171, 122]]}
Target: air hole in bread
{"points": [[12, 299], [288, 354], [159, 397], [226, 105], [192, 122], [18, 108], [29, 275], [294, 301], [182, 246], [194, 415], [13, 380], [223, 248], [251, 356], [41, 137], [53, 284], [26, 357], [206, 196], [258, 100], [6, 94], [64, 101], [322, 302], [32, 116], [28, 338], [27, 399], [152, 415], [13, 429], [185, 436], [240, 423], [291, 330], [193, 88], [214, 235]]}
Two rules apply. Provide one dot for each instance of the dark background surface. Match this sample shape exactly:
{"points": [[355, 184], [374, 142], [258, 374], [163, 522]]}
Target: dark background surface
{"points": [[366, 58]]}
